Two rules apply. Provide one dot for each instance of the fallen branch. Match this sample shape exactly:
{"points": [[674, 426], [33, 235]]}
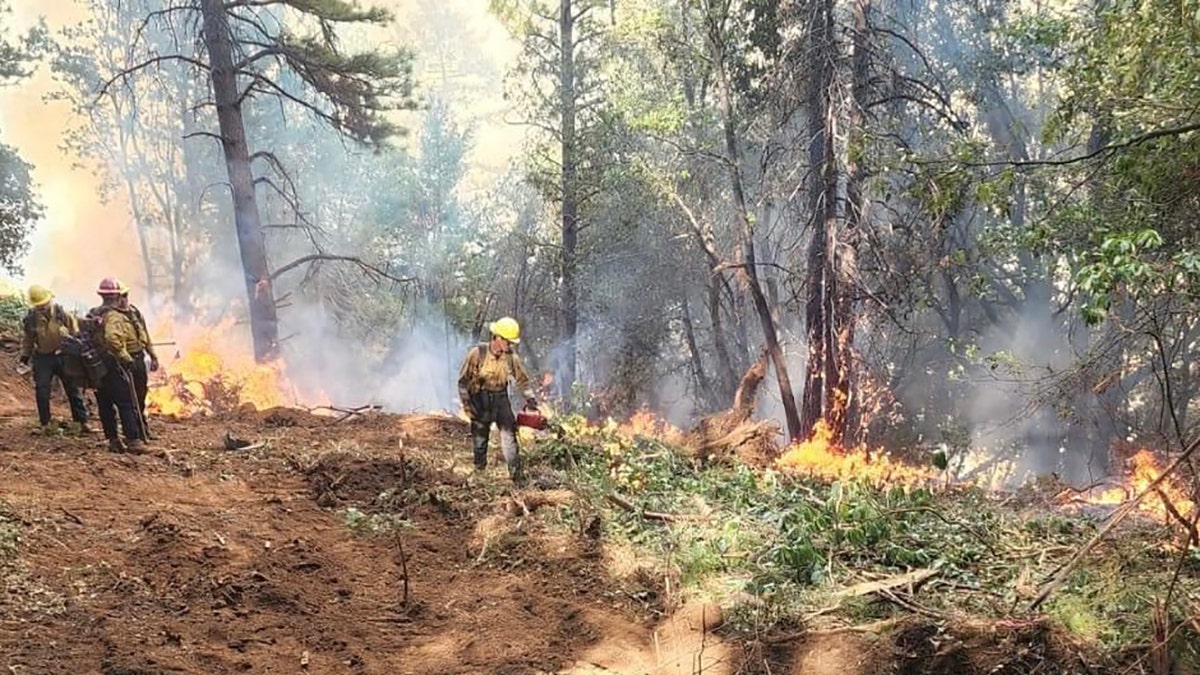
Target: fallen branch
{"points": [[74, 518], [912, 605], [1059, 576], [347, 413], [914, 578], [649, 515]]}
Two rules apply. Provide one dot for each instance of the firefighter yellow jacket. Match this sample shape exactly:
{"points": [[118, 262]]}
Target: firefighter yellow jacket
{"points": [[45, 329], [121, 336], [484, 371]]}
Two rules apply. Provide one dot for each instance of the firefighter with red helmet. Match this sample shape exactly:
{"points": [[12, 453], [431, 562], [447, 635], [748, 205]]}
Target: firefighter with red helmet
{"points": [[117, 334], [141, 351], [483, 381]]}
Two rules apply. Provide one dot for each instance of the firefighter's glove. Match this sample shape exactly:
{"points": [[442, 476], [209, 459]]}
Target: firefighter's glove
{"points": [[24, 360], [153, 363], [531, 403]]}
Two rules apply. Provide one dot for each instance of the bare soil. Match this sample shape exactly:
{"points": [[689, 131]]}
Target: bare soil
{"points": [[352, 546]]}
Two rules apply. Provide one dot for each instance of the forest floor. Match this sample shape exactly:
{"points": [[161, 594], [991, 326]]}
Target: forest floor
{"points": [[365, 546]]}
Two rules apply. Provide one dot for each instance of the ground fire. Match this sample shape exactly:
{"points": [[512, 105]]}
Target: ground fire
{"points": [[206, 376], [820, 458], [1168, 502]]}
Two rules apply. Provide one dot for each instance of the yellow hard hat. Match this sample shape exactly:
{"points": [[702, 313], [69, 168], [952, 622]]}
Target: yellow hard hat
{"points": [[39, 295], [507, 328]]}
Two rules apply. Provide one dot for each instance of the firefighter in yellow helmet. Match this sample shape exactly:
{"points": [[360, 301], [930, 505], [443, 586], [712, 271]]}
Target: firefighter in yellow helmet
{"points": [[483, 382], [45, 326]]}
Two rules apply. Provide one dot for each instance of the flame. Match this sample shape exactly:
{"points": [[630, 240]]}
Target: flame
{"points": [[208, 375], [1145, 468], [647, 424], [820, 458]]}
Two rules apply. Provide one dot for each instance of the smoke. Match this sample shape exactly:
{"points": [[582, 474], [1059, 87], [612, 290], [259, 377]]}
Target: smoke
{"points": [[770, 405], [1012, 422], [80, 239], [417, 371]]}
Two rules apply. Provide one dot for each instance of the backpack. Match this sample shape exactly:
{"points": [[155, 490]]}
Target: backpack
{"points": [[83, 353]]}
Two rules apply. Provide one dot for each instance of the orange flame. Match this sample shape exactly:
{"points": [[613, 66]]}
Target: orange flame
{"points": [[820, 458], [210, 375], [646, 423], [1145, 469]]}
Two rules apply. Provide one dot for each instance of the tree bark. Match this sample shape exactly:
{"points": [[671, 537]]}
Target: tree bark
{"points": [[843, 403], [264, 322], [569, 309], [821, 372]]}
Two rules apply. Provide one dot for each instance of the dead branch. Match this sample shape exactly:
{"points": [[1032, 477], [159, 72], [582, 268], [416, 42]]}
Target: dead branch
{"points": [[362, 264], [911, 605], [1059, 576], [746, 396], [914, 579], [74, 518], [132, 70], [204, 134], [731, 432], [649, 515]]}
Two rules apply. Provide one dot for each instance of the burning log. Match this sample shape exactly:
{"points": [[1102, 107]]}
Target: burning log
{"points": [[731, 433]]}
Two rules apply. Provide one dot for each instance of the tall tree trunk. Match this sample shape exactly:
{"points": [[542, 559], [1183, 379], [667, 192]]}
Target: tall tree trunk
{"points": [[569, 309], [821, 373], [749, 271], [842, 404], [264, 323]]}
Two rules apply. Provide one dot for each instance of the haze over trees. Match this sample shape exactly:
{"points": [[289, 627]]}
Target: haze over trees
{"points": [[965, 224]]}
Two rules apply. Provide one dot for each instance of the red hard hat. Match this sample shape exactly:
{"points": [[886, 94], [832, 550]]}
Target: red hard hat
{"points": [[109, 286]]}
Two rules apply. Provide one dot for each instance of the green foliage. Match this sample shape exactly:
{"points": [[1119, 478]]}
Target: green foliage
{"points": [[19, 207], [12, 311], [17, 58], [358, 90], [1132, 81], [790, 544], [1127, 262]]}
